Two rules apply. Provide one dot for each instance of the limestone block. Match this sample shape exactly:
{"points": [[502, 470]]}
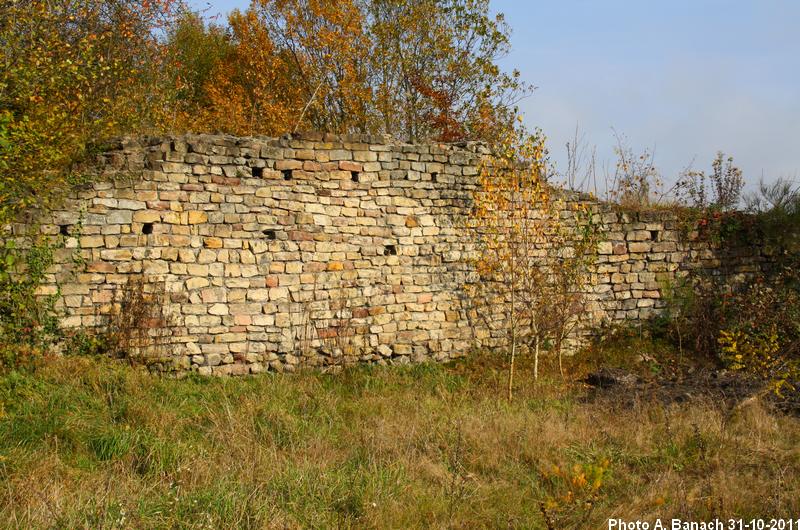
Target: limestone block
{"points": [[212, 242], [218, 309], [146, 216], [197, 217]]}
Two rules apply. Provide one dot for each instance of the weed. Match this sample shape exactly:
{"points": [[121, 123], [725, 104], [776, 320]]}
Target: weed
{"points": [[89, 442]]}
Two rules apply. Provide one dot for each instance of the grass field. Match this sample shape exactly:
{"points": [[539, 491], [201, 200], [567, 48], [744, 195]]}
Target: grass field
{"points": [[87, 443]]}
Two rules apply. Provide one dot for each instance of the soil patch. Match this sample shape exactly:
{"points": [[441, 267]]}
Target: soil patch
{"points": [[729, 389]]}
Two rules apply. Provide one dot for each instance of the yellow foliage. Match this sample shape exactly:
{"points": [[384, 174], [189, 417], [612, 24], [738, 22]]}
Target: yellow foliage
{"points": [[759, 353], [66, 85], [566, 490], [534, 266]]}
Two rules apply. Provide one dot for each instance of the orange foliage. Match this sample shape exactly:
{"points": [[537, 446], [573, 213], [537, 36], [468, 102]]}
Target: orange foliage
{"points": [[288, 55], [421, 69], [251, 91], [328, 50]]}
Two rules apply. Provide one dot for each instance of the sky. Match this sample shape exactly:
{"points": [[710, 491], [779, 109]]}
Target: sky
{"points": [[682, 78]]}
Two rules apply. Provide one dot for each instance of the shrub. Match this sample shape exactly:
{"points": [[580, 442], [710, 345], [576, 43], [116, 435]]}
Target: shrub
{"points": [[572, 493], [691, 317], [753, 328], [636, 179], [75, 73], [134, 327], [721, 190], [776, 209], [760, 331], [137, 327]]}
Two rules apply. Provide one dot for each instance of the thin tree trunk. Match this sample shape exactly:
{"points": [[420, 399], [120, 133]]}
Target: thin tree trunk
{"points": [[513, 336], [560, 350], [536, 359], [511, 368]]}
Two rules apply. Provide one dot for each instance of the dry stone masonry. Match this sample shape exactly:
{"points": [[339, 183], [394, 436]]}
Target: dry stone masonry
{"points": [[317, 250]]}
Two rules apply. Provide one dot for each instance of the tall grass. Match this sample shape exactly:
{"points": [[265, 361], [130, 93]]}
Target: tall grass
{"points": [[86, 443]]}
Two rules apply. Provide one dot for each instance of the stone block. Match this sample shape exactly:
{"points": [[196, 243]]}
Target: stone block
{"points": [[212, 242], [197, 217]]}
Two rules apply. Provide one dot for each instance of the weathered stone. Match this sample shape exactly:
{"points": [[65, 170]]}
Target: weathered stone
{"points": [[218, 309], [212, 242], [146, 216], [312, 248], [197, 217]]}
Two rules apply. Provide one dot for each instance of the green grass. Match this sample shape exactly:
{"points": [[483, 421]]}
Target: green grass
{"points": [[87, 443]]}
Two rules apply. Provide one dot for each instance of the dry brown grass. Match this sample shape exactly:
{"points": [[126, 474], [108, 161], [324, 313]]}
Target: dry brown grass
{"points": [[92, 444]]}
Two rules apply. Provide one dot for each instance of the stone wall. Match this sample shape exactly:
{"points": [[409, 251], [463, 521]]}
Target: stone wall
{"points": [[317, 250]]}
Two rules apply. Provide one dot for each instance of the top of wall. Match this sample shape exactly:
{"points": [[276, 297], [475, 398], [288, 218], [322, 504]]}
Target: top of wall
{"points": [[265, 146], [161, 153]]}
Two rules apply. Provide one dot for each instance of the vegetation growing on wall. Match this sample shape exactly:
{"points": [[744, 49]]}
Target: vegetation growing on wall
{"points": [[750, 325], [28, 320]]}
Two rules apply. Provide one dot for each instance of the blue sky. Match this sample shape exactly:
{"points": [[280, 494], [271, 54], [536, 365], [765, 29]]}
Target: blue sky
{"points": [[684, 78]]}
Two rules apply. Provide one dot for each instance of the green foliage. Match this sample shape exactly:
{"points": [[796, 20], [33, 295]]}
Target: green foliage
{"points": [[197, 48], [754, 327], [760, 331], [87, 344], [437, 72], [5, 142], [28, 322], [776, 207]]}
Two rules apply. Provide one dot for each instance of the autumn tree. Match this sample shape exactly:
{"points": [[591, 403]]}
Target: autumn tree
{"points": [[284, 65], [435, 69], [511, 236], [253, 90], [78, 71], [413, 69], [327, 51], [75, 72], [196, 49], [534, 250]]}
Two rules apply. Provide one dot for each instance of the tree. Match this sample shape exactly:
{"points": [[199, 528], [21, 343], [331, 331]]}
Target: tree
{"points": [[290, 64], [534, 249], [253, 91], [417, 70], [196, 49], [327, 51], [435, 69], [75, 72]]}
